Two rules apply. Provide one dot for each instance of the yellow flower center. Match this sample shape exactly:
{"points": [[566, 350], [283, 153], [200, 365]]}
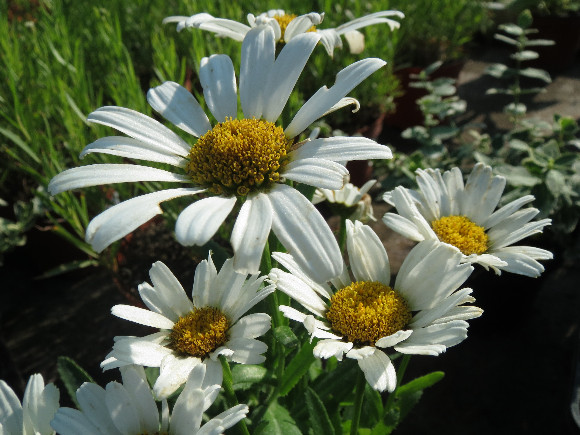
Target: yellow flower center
{"points": [[238, 156], [284, 20], [199, 332], [365, 311], [462, 233]]}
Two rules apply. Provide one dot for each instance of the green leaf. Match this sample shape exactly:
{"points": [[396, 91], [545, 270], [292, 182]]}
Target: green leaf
{"points": [[278, 422], [68, 267], [245, 375], [536, 73], [297, 368], [525, 19], [318, 417], [433, 67], [517, 175], [512, 29], [72, 376], [372, 410], [556, 183], [326, 385], [20, 143], [515, 109], [539, 43], [419, 384], [285, 336], [505, 39], [525, 55], [500, 71], [519, 145]]}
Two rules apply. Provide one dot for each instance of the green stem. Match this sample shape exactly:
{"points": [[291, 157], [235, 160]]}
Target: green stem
{"points": [[342, 234], [358, 401], [230, 394], [401, 372]]}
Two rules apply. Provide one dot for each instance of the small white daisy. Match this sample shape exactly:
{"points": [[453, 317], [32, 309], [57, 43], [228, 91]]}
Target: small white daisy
{"points": [[33, 416], [465, 216], [245, 161], [130, 409], [423, 313], [351, 201], [193, 333], [288, 26]]}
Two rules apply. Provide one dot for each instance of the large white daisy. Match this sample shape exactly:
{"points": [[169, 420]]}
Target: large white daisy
{"points": [[33, 415], [465, 216], [423, 313], [351, 201], [246, 160], [130, 409], [287, 26], [194, 332]]}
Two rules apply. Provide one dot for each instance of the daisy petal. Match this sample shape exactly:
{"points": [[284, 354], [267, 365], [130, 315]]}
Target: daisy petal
{"points": [[142, 351], [187, 413], [251, 326], [205, 274], [218, 80], [300, 25], [177, 105], [434, 339], [393, 339], [250, 233], [68, 421], [95, 175], [367, 254], [378, 370], [368, 20], [506, 211], [139, 126], [522, 260], [317, 172], [303, 231], [141, 316], [330, 40], [331, 348], [172, 374], [325, 98], [403, 226], [224, 420], [247, 350], [197, 224], [121, 409], [135, 382], [227, 28], [299, 291], [118, 221], [169, 289], [91, 398]]}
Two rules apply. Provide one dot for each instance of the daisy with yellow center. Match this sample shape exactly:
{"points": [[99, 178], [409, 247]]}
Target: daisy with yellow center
{"points": [[423, 312], [287, 26], [129, 408], [197, 331], [350, 201], [246, 160], [466, 216]]}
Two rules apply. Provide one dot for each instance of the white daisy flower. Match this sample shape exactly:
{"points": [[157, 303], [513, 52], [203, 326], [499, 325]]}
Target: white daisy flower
{"points": [[351, 201], [33, 415], [423, 313], [287, 26], [246, 160], [130, 409], [465, 216], [193, 333]]}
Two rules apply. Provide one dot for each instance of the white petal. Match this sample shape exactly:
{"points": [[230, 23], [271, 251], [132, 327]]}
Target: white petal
{"points": [[304, 233], [135, 382], [481, 194], [222, 27], [142, 351], [133, 149], [393, 339], [325, 98], [172, 374], [177, 105], [522, 260], [205, 274], [121, 409], [251, 326], [434, 339], [142, 316], [258, 51], [10, 409], [330, 40], [317, 172], [367, 20], [94, 175], [188, 412], [68, 421], [223, 421], [169, 289], [500, 238], [378, 370], [367, 254], [331, 348], [250, 233], [247, 350], [91, 398], [299, 291], [294, 314], [301, 25], [286, 260], [218, 80], [356, 41], [426, 317], [342, 148], [403, 226], [407, 207], [197, 223], [151, 299], [285, 72], [118, 221], [139, 126], [506, 211]]}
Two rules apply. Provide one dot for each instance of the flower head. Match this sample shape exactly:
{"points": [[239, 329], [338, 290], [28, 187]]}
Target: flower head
{"points": [[423, 312], [33, 415], [244, 160], [130, 409], [465, 216], [197, 331], [288, 26], [350, 201]]}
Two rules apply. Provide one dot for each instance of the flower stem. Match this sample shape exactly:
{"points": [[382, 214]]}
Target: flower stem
{"points": [[231, 398], [342, 234], [358, 401]]}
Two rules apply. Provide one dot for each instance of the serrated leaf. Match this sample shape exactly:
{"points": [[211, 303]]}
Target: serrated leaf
{"points": [[318, 417], [297, 368], [556, 183], [419, 384], [536, 73], [285, 336], [525, 55], [245, 375], [278, 422], [72, 376]]}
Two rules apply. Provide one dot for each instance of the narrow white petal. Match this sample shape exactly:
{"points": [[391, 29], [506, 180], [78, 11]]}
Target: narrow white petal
{"points": [[177, 105], [91, 398], [286, 260], [367, 254], [172, 374], [10, 409], [434, 339], [481, 194], [197, 224], [121, 409], [130, 148], [317, 172], [523, 260], [304, 233], [331, 348], [426, 317], [499, 239], [368, 20], [218, 81], [151, 299], [139, 126], [118, 221], [169, 289], [301, 25], [187, 413], [251, 326], [325, 98], [142, 351], [223, 421], [250, 233], [506, 211], [135, 382], [258, 52], [330, 40], [142, 316], [394, 339], [407, 208], [95, 175], [403, 226], [285, 72], [205, 274], [299, 291], [68, 421], [379, 371], [228, 28], [247, 350]]}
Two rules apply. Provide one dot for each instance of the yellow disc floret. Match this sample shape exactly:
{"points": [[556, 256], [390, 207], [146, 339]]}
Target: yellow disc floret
{"points": [[365, 311], [239, 156], [199, 332], [284, 20], [462, 233]]}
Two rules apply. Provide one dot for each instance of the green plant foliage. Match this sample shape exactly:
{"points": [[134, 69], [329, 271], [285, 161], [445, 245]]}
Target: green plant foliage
{"points": [[72, 376]]}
